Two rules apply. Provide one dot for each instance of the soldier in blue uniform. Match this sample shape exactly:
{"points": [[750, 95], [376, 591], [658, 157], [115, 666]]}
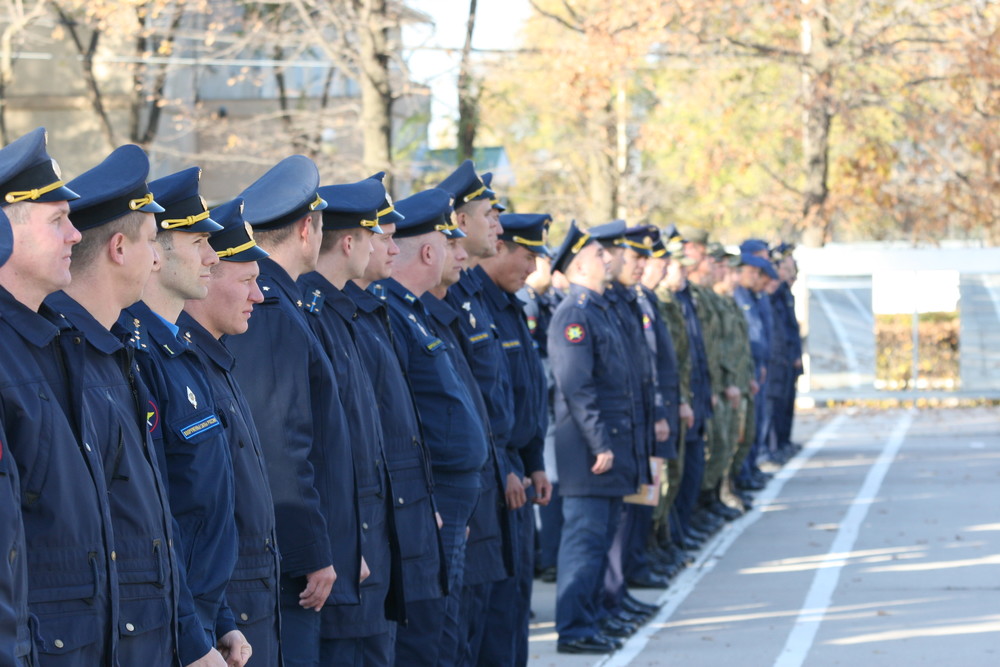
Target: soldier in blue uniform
{"points": [[356, 635], [595, 445], [292, 391], [454, 433], [784, 400], [15, 635], [644, 319], [629, 547], [488, 556], [540, 297], [480, 342], [68, 539], [752, 274], [110, 268], [507, 616], [757, 251], [667, 558], [407, 459], [183, 419], [686, 503], [252, 593]]}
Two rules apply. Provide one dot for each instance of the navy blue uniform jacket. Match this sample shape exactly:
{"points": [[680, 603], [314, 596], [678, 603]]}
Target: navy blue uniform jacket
{"points": [[625, 307], [331, 315], [15, 636], [668, 379], [252, 593], [407, 459], [528, 381], [188, 436], [595, 406], [480, 343], [64, 501], [489, 554], [453, 429], [701, 384], [152, 599], [292, 392]]}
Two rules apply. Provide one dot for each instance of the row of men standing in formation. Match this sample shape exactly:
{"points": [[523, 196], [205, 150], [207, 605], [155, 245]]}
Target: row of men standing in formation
{"points": [[294, 429], [673, 363], [305, 371]]}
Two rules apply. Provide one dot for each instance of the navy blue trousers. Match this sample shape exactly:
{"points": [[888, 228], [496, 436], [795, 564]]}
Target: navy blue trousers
{"points": [[636, 557], [507, 614], [550, 522], [589, 525], [694, 469]]}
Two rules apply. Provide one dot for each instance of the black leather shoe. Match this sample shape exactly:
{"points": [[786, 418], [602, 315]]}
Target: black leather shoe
{"points": [[597, 644], [650, 580], [695, 533], [725, 511], [629, 617], [704, 517], [635, 606], [689, 544], [612, 626], [548, 575], [681, 557], [668, 570]]}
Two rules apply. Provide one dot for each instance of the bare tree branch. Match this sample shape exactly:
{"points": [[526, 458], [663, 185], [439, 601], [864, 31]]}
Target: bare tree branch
{"points": [[555, 17]]}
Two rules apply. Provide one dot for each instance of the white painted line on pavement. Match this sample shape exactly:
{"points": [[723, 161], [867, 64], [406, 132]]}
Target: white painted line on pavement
{"points": [[716, 548], [824, 583]]}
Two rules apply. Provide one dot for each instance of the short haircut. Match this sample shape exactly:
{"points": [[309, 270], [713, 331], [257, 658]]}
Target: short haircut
{"points": [[331, 237], [17, 212], [95, 239], [272, 238]]}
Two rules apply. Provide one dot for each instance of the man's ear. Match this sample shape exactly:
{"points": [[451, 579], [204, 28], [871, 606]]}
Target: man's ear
{"points": [[461, 219], [116, 248], [427, 253], [306, 228]]}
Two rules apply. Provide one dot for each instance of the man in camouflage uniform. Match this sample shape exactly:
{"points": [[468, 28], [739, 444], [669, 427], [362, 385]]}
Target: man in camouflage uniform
{"points": [[737, 368]]}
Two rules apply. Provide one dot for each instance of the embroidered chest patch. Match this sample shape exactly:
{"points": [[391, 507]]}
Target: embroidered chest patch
{"points": [[194, 429]]}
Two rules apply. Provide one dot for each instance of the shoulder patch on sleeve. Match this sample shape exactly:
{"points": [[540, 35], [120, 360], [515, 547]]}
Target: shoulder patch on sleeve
{"points": [[575, 333]]}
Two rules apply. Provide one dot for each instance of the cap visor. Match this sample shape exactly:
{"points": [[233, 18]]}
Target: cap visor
{"points": [[152, 207], [392, 218], [62, 193]]}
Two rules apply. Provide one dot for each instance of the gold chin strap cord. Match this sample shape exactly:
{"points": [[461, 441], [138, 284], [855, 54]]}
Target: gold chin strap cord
{"points": [[25, 195], [472, 195], [229, 252], [182, 222], [524, 241], [136, 204]]}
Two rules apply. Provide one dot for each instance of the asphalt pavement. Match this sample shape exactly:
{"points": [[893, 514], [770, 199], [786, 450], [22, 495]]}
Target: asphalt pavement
{"points": [[879, 544]]}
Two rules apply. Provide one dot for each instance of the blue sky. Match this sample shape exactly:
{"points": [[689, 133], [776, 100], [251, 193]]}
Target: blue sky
{"points": [[497, 25]]}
